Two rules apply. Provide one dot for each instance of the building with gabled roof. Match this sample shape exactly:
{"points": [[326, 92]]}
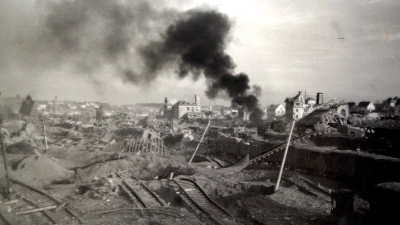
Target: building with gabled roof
{"points": [[295, 107], [276, 110]]}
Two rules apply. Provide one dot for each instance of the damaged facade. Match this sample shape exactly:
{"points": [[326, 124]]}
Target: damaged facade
{"points": [[392, 106], [179, 109], [140, 165], [295, 107]]}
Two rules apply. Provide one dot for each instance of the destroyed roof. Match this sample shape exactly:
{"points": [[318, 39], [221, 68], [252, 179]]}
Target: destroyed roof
{"points": [[350, 104], [172, 102], [292, 99], [313, 118], [363, 104]]}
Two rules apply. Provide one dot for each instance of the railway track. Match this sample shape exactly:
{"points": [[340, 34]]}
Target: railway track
{"points": [[198, 201], [310, 187], [139, 193], [143, 202], [280, 147], [36, 207]]}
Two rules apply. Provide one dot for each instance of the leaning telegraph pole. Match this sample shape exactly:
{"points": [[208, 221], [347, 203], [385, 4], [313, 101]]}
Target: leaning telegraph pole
{"points": [[198, 145], [46, 147], [284, 157]]}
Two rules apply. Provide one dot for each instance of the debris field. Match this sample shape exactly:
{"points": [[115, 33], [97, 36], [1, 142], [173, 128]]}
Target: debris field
{"points": [[130, 174]]}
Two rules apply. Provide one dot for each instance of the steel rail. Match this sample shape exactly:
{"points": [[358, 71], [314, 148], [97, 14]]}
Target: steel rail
{"points": [[192, 204], [323, 190], [153, 194], [46, 196], [44, 212], [309, 189], [203, 203], [132, 197], [34, 189], [133, 192], [279, 148], [206, 196], [145, 188]]}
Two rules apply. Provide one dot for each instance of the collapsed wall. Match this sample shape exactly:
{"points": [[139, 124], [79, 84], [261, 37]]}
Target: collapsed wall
{"points": [[357, 168], [239, 148]]}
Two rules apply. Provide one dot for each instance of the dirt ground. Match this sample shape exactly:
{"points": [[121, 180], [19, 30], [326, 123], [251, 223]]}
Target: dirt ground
{"points": [[245, 194], [77, 171]]}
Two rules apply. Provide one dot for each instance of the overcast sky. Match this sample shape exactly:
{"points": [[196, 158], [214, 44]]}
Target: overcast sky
{"points": [[344, 48]]}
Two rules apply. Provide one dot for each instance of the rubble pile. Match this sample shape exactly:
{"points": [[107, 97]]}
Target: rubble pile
{"points": [[35, 171], [88, 166]]}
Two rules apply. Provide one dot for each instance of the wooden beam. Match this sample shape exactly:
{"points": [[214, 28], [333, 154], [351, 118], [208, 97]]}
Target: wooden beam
{"points": [[36, 210]]}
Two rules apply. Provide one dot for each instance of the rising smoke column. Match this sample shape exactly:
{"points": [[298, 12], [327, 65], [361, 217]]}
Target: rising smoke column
{"points": [[197, 42], [90, 35]]}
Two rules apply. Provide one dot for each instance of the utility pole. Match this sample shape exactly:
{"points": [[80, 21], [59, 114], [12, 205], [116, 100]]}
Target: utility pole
{"points": [[194, 153], [284, 157], [45, 136]]}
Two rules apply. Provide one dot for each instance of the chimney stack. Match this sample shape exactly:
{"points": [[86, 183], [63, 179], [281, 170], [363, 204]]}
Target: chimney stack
{"points": [[320, 98]]}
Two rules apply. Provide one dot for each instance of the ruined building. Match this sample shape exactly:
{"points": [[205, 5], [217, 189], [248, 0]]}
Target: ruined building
{"points": [[299, 106], [179, 109], [26, 106], [295, 107], [392, 106]]}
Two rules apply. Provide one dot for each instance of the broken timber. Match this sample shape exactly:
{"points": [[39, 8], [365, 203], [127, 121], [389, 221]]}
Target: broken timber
{"points": [[36, 210], [138, 145]]}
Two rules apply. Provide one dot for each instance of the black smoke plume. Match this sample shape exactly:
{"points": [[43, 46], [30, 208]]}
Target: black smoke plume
{"points": [[93, 34], [134, 40], [197, 42]]}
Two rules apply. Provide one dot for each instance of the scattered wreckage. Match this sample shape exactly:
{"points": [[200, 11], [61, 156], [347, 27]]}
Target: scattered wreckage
{"points": [[174, 172]]}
